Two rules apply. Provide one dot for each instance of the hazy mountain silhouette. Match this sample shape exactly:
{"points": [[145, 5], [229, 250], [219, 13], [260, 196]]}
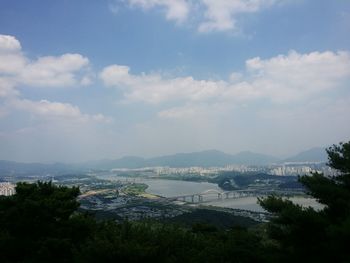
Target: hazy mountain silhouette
{"points": [[9, 167], [317, 154], [247, 157], [203, 158], [124, 162]]}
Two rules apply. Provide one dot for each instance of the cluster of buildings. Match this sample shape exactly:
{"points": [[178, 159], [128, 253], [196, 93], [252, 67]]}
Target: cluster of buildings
{"points": [[291, 170], [206, 171], [7, 189], [305, 169], [129, 207], [276, 169]]}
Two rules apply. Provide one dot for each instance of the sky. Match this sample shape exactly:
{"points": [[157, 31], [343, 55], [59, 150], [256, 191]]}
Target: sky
{"points": [[93, 79]]}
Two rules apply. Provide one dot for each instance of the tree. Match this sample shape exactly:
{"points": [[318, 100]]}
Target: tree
{"points": [[308, 235], [39, 224]]}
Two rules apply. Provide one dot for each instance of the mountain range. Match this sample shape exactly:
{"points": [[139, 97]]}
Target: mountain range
{"points": [[208, 158], [317, 154], [203, 159]]}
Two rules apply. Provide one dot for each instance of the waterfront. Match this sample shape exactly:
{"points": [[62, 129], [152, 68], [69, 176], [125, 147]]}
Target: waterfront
{"points": [[165, 187], [171, 188]]}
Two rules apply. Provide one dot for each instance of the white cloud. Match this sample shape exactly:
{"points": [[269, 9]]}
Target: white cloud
{"points": [[7, 88], [55, 111], [53, 71], [87, 80], [174, 9], [187, 111], [115, 75], [297, 76], [220, 15], [12, 63], [235, 77], [9, 44], [281, 79], [211, 15], [154, 88], [47, 71], [11, 59], [31, 129]]}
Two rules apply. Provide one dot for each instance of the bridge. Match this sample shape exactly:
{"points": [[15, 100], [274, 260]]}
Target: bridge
{"points": [[214, 194]]}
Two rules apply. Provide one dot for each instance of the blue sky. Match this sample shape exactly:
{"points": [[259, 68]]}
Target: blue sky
{"points": [[90, 79]]}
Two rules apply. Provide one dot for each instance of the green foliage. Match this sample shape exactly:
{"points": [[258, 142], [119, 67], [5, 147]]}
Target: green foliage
{"points": [[40, 223], [152, 242], [135, 189], [218, 219], [339, 156], [304, 234]]}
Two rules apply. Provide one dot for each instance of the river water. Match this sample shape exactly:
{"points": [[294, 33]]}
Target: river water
{"points": [[170, 188]]}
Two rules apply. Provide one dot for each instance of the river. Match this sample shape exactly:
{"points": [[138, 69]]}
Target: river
{"points": [[170, 188]]}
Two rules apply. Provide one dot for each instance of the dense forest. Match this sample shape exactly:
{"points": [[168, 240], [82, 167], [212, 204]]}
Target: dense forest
{"points": [[41, 223]]}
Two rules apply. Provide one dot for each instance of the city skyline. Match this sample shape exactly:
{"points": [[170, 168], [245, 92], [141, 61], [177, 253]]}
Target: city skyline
{"points": [[89, 80]]}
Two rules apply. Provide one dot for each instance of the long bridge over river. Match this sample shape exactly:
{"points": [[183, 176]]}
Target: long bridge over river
{"points": [[214, 195]]}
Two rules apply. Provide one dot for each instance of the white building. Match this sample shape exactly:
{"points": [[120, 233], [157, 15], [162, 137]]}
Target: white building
{"points": [[7, 189]]}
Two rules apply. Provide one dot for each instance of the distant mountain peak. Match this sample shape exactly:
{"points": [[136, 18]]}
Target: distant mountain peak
{"points": [[315, 154]]}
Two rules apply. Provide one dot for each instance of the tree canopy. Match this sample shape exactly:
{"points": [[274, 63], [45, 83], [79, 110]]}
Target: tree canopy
{"points": [[310, 235], [40, 223]]}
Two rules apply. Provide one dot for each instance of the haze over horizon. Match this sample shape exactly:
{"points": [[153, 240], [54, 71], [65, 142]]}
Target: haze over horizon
{"points": [[87, 80]]}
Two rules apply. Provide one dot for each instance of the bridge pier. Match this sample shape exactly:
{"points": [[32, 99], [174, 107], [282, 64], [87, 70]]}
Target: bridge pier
{"points": [[200, 198]]}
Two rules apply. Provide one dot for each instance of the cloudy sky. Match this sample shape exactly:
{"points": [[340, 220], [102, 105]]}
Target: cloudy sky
{"points": [[88, 79]]}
